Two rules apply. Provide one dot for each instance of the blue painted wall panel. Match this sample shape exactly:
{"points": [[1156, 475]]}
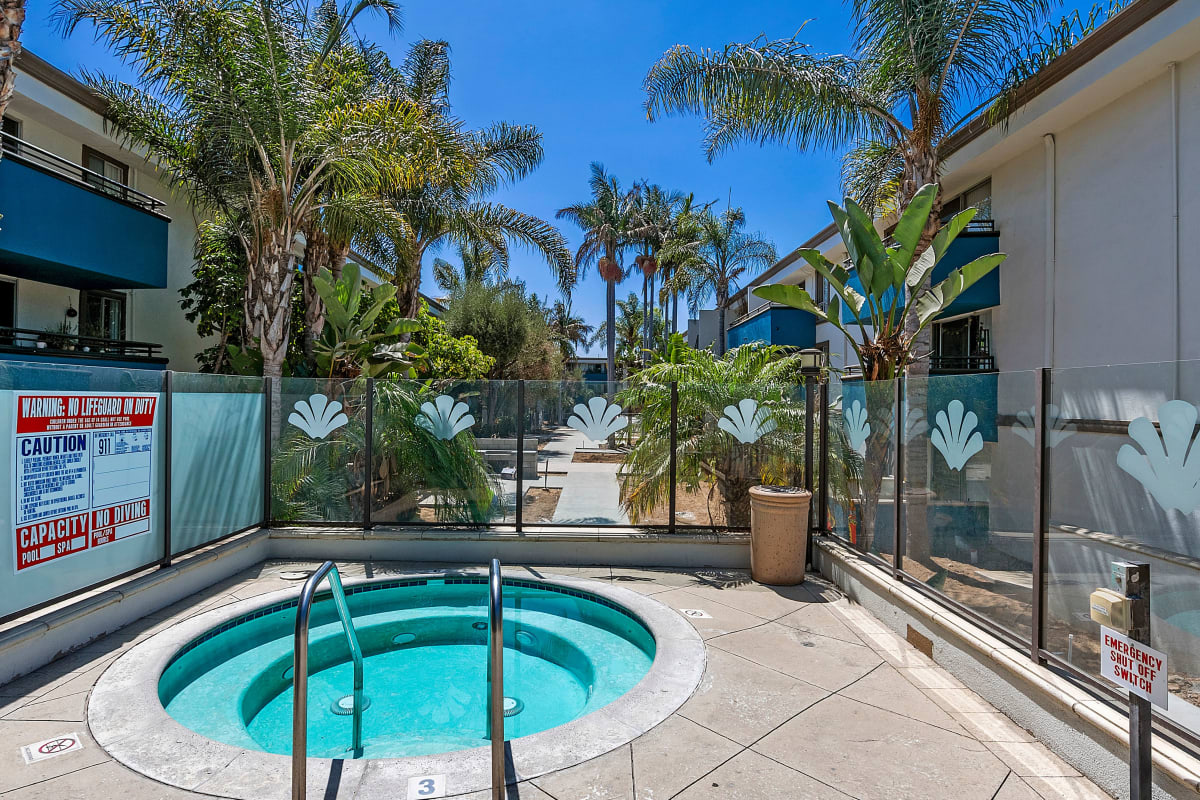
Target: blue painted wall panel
{"points": [[56, 231], [782, 326]]}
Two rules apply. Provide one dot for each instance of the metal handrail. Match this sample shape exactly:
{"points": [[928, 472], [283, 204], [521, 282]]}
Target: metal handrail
{"points": [[495, 677], [300, 671], [22, 150]]}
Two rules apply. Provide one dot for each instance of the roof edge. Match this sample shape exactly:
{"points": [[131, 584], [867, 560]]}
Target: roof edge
{"points": [[37, 67]]}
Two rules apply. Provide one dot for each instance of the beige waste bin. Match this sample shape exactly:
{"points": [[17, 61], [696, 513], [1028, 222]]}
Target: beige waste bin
{"points": [[778, 534]]}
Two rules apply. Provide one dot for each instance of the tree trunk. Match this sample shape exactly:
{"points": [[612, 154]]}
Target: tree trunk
{"points": [[12, 17], [270, 285], [722, 302], [610, 335], [316, 258]]}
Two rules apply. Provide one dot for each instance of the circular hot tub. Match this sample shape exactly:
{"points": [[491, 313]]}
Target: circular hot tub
{"points": [[207, 704], [424, 641]]}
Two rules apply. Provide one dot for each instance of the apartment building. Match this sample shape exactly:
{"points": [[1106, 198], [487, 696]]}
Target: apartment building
{"points": [[1089, 188]]}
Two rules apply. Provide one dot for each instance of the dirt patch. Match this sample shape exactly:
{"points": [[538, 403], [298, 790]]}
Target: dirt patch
{"points": [[540, 505], [598, 457], [692, 510]]}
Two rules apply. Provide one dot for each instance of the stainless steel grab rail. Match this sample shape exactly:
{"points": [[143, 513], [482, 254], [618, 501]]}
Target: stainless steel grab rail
{"points": [[300, 671], [495, 677]]}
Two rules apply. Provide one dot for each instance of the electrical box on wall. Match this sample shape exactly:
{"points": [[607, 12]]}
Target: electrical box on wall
{"points": [[1110, 608]]}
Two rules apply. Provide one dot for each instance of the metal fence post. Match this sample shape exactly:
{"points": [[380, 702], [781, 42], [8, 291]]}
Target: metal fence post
{"points": [[369, 469], [823, 460], [672, 460], [809, 402], [898, 479], [267, 393], [168, 391], [520, 513], [1041, 515]]}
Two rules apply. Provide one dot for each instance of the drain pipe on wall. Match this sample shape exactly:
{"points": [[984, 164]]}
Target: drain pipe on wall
{"points": [[1051, 232]]}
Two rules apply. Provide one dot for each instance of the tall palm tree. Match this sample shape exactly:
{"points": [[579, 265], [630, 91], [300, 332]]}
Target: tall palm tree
{"points": [[651, 226], [915, 79], [12, 17], [721, 254], [453, 208], [230, 101], [605, 222], [629, 334]]}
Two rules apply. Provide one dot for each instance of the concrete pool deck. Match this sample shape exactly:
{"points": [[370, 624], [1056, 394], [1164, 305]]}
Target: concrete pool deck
{"points": [[805, 695]]}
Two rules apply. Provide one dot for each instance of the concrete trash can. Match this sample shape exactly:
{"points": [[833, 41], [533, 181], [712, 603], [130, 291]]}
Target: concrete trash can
{"points": [[778, 534]]}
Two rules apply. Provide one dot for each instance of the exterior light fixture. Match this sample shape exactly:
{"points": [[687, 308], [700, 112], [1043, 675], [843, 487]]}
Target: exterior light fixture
{"points": [[812, 361]]}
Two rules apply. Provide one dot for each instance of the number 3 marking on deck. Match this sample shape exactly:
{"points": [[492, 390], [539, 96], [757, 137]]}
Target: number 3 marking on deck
{"points": [[426, 786]]}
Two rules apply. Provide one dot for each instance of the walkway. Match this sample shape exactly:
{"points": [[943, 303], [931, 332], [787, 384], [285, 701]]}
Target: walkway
{"points": [[591, 494], [805, 695]]}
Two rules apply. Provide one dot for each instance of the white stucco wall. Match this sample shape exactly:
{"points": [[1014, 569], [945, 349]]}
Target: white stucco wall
{"points": [[62, 126]]}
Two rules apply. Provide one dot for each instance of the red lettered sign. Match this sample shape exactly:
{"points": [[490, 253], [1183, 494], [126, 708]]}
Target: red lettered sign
{"points": [[1138, 667], [82, 471]]}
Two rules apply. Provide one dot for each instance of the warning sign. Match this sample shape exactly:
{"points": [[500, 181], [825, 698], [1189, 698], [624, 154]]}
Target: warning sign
{"points": [[40, 751], [82, 467], [1138, 667]]}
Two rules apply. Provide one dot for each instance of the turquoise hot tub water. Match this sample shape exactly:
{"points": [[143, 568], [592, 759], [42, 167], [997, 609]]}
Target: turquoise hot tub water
{"points": [[566, 654]]}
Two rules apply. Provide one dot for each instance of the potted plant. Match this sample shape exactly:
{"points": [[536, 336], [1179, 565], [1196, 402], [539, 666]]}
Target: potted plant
{"points": [[60, 336]]}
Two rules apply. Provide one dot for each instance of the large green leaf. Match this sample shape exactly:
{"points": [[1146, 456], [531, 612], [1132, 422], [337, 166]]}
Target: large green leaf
{"points": [[335, 311], [870, 249], [937, 299], [790, 295], [841, 221], [951, 230], [912, 222], [837, 277], [921, 269]]}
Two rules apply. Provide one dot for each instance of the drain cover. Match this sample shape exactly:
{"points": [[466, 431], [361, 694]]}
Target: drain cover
{"points": [[513, 706], [479, 626], [295, 575], [344, 706], [526, 638]]}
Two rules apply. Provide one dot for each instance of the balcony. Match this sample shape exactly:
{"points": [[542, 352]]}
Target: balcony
{"points": [[774, 324], [23, 344], [66, 225]]}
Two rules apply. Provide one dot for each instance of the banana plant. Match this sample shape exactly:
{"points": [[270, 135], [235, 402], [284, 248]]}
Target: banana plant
{"points": [[351, 345], [893, 280]]}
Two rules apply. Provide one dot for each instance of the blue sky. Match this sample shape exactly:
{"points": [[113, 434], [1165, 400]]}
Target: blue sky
{"points": [[575, 69]]}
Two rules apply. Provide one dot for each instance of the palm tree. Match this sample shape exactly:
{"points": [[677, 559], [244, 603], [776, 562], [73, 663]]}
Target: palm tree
{"points": [[605, 222], [453, 207], [721, 254], [568, 330], [651, 226], [12, 17], [479, 264], [232, 104], [707, 457], [912, 83]]}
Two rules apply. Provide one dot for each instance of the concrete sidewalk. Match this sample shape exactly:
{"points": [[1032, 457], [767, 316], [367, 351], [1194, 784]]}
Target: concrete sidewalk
{"points": [[805, 695]]}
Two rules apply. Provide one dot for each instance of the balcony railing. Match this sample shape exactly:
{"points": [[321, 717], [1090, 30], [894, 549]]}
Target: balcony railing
{"points": [[35, 156], [27, 341], [980, 362]]}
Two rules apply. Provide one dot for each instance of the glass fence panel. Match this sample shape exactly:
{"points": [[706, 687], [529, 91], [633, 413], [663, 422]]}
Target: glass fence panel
{"points": [[318, 450], [445, 452], [739, 427], [216, 456], [968, 494], [584, 435], [1123, 465], [84, 499], [861, 456]]}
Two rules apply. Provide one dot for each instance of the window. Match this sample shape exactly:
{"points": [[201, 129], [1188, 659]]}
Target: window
{"points": [[8, 304], [110, 176], [979, 197], [12, 130], [963, 344], [103, 314]]}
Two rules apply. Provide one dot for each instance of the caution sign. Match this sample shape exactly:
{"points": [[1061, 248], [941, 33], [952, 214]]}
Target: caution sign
{"points": [[1138, 667], [49, 748], [83, 472]]}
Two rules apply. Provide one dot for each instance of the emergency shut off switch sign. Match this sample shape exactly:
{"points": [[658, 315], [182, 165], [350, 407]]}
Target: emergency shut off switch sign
{"points": [[82, 468]]}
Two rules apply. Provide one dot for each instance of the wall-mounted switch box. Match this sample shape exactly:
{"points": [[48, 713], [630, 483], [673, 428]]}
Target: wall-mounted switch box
{"points": [[1110, 608]]}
